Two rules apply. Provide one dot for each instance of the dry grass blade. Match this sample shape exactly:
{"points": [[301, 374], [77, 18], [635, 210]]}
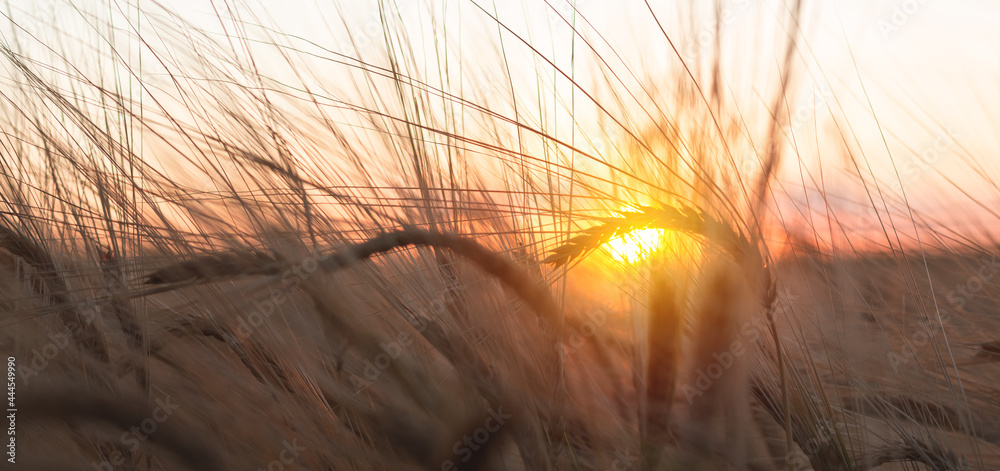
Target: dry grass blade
{"points": [[531, 290], [215, 267]]}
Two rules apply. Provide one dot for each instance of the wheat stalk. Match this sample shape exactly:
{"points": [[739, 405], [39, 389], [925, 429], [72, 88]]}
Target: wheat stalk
{"points": [[216, 267], [680, 218], [666, 316]]}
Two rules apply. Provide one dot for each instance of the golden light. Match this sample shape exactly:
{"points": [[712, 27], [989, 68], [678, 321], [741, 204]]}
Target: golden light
{"points": [[635, 245]]}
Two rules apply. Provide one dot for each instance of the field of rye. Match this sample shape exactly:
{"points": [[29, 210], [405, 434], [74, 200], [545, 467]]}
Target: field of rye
{"points": [[464, 235]]}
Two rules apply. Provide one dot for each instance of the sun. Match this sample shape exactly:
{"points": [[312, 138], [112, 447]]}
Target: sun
{"points": [[636, 245]]}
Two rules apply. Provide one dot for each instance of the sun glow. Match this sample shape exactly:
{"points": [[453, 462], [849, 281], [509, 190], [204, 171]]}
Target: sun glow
{"points": [[635, 245]]}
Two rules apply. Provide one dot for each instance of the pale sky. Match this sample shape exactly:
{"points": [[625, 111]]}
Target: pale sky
{"points": [[929, 68]]}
